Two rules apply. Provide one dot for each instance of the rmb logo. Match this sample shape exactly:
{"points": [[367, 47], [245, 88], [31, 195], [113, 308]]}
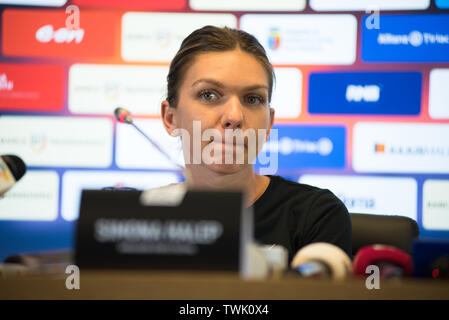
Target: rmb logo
{"points": [[274, 39], [362, 93]]}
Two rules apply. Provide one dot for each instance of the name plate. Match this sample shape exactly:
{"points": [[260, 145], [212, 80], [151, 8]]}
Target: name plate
{"points": [[205, 230]]}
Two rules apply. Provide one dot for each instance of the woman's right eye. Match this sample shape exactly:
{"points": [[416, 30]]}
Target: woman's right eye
{"points": [[208, 95]]}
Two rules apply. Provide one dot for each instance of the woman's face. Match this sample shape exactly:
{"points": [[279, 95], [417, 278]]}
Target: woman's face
{"points": [[228, 93]]}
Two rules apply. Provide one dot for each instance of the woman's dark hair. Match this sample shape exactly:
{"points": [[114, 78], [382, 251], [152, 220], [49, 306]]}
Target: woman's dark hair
{"points": [[213, 39]]}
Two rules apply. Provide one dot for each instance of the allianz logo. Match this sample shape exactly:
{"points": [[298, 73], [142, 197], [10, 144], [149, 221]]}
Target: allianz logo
{"points": [[5, 84], [287, 146], [359, 93], [414, 38], [46, 34]]}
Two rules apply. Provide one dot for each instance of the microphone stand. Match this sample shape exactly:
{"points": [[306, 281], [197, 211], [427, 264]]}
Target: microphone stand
{"points": [[124, 116]]}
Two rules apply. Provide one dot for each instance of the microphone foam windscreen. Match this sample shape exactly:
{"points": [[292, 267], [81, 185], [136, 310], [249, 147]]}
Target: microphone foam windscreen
{"points": [[375, 254], [16, 166], [334, 257]]}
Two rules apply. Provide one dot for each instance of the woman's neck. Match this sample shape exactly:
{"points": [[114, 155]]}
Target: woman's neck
{"points": [[247, 180]]}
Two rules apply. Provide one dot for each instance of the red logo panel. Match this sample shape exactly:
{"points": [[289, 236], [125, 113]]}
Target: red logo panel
{"points": [[45, 33], [134, 4], [28, 87]]}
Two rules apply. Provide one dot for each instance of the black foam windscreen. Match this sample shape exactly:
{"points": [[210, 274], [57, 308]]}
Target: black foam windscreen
{"points": [[16, 165]]}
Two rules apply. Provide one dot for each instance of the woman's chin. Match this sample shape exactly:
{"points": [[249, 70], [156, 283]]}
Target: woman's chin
{"points": [[227, 168]]}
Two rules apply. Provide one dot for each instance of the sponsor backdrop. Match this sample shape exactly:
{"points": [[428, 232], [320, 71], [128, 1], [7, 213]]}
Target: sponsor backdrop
{"points": [[361, 99]]}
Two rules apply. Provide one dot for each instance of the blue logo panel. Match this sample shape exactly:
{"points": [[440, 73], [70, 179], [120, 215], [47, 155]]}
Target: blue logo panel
{"points": [[406, 38], [305, 147], [443, 4], [366, 93]]}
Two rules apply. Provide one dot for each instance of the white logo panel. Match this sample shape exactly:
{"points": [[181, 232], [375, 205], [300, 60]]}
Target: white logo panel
{"points": [[34, 197], [74, 182], [436, 205], [157, 36], [401, 147], [248, 5], [133, 151], [287, 93], [305, 38], [439, 94], [363, 5], [99, 89], [372, 195], [57, 141]]}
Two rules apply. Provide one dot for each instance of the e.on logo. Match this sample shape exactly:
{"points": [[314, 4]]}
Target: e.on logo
{"points": [[46, 33]]}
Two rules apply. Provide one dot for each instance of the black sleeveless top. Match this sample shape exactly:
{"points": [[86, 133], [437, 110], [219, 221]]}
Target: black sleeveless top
{"points": [[293, 215]]}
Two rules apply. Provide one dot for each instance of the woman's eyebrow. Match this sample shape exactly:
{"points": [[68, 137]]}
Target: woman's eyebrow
{"points": [[256, 86], [220, 85], [214, 82]]}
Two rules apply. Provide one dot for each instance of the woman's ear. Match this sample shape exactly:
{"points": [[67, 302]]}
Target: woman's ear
{"points": [[168, 117], [271, 122]]}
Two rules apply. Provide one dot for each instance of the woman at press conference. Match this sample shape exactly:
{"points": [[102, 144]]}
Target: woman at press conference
{"points": [[220, 82]]}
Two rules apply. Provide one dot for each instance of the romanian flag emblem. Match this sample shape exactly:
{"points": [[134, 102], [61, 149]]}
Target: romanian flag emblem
{"points": [[274, 39]]}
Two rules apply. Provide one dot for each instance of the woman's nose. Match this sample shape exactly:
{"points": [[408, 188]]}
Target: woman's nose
{"points": [[233, 114]]}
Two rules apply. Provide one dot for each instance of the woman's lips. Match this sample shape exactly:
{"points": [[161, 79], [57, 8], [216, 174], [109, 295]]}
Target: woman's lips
{"points": [[226, 143]]}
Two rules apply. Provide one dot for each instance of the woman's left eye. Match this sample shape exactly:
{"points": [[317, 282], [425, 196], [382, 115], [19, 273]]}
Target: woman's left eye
{"points": [[208, 95], [254, 100]]}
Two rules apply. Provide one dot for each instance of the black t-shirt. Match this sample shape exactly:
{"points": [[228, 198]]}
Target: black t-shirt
{"points": [[293, 215]]}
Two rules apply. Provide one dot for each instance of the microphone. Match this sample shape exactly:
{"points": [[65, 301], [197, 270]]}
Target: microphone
{"points": [[440, 267], [321, 259], [392, 262], [124, 116], [12, 169], [276, 256]]}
